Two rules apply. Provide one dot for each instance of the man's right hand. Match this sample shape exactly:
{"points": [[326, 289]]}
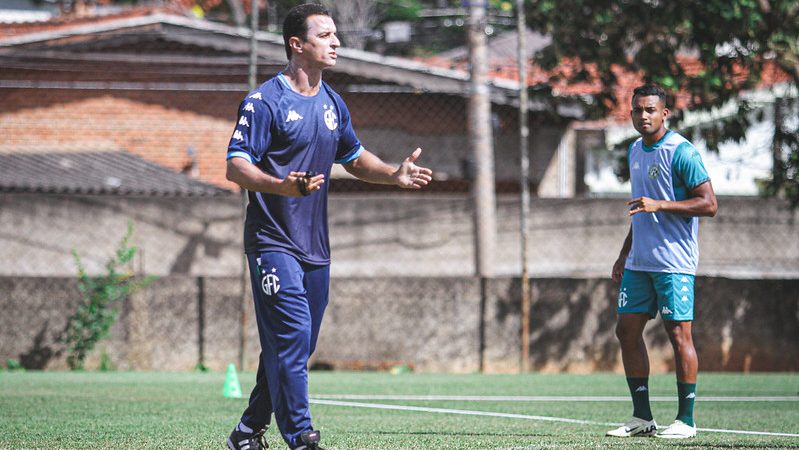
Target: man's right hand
{"points": [[298, 184]]}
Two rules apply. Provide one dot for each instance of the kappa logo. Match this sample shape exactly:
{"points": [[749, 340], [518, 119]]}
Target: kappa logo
{"points": [[293, 116], [684, 289], [243, 121], [636, 166], [270, 283], [238, 136], [666, 311], [691, 395], [256, 96], [622, 298], [249, 107], [684, 279], [641, 389], [653, 171], [330, 117], [684, 298]]}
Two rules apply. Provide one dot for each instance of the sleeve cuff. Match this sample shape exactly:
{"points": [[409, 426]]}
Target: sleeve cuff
{"points": [[231, 155], [350, 158], [705, 180]]}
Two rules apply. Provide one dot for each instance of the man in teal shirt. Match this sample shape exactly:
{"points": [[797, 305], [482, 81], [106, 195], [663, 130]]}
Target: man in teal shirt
{"points": [[657, 263]]}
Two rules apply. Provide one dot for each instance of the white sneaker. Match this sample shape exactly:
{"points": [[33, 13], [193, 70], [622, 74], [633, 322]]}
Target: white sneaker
{"points": [[635, 427], [678, 430]]}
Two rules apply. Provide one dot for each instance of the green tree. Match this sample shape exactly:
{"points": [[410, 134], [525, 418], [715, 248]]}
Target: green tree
{"points": [[734, 41], [97, 310]]}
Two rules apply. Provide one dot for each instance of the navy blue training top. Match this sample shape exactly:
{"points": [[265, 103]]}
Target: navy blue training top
{"points": [[282, 131]]}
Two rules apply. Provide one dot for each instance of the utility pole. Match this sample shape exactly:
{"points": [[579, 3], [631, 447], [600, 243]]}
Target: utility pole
{"points": [[524, 180], [271, 16], [253, 66], [481, 142]]}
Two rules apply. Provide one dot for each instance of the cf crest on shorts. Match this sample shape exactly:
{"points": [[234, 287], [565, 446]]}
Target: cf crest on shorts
{"points": [[270, 283], [622, 298]]}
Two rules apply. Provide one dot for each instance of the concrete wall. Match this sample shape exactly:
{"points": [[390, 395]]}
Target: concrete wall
{"points": [[414, 235], [403, 289], [432, 324]]}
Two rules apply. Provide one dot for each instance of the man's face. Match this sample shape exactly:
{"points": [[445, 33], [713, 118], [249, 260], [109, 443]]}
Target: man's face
{"points": [[320, 44], [648, 114]]}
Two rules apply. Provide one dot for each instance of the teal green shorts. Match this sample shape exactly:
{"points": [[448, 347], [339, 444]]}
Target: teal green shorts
{"points": [[670, 294]]}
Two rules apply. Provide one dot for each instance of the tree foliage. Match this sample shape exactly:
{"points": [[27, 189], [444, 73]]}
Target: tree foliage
{"points": [[733, 42], [355, 20]]}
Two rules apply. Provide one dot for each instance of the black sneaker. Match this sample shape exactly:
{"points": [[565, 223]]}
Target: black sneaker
{"points": [[310, 440], [239, 440]]}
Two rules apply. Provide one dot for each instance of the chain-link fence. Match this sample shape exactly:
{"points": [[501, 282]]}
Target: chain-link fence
{"points": [[381, 231], [175, 323], [384, 245], [378, 233], [393, 121]]}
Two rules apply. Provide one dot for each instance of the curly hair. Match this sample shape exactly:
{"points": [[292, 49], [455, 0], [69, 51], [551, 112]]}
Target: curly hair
{"points": [[650, 89]]}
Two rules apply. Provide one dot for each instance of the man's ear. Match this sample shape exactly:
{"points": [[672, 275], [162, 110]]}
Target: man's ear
{"points": [[295, 43]]}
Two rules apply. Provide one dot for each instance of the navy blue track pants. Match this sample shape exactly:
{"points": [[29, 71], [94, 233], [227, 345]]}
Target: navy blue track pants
{"points": [[290, 300]]}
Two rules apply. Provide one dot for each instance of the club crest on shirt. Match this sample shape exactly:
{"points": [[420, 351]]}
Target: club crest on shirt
{"points": [[653, 171], [330, 117]]}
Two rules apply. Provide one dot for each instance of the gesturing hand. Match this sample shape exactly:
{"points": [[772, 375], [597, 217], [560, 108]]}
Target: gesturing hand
{"points": [[643, 204], [411, 176]]}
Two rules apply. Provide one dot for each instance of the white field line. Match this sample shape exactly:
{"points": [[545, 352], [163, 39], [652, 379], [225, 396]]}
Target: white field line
{"points": [[513, 416], [455, 411], [546, 398]]}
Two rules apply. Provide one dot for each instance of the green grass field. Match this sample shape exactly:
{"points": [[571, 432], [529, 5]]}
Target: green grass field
{"points": [[383, 411]]}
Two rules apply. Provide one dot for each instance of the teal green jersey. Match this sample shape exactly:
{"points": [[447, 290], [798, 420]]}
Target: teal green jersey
{"points": [[668, 170]]}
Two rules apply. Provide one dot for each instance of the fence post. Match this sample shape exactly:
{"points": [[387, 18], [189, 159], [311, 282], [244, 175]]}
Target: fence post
{"points": [[524, 181], [201, 321]]}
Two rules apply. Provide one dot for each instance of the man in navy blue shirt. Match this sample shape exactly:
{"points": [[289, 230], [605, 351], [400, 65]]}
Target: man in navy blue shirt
{"points": [[290, 131]]}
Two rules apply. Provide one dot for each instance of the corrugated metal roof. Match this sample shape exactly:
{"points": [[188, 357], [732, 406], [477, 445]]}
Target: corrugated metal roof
{"points": [[100, 173]]}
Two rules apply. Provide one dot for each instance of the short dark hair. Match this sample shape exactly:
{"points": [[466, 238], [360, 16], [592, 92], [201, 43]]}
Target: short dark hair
{"points": [[295, 24], [650, 89]]}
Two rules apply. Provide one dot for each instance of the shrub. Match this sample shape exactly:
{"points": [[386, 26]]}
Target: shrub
{"points": [[96, 312]]}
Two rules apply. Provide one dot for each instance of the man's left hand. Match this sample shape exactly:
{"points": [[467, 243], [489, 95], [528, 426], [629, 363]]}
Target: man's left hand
{"points": [[411, 176]]}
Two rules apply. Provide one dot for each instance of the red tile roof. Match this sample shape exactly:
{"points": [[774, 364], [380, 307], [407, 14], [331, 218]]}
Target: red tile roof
{"points": [[69, 21], [558, 80]]}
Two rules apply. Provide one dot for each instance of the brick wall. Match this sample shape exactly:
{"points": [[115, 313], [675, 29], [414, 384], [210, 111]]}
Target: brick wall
{"points": [[162, 125], [159, 126]]}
